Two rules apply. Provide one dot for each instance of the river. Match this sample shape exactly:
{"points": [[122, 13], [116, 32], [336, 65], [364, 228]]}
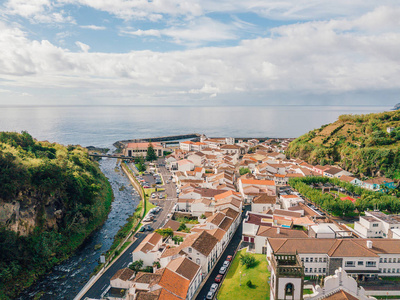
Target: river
{"points": [[68, 278]]}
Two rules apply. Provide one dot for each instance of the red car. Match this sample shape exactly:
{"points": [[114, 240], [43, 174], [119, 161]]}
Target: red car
{"points": [[218, 278], [229, 258]]}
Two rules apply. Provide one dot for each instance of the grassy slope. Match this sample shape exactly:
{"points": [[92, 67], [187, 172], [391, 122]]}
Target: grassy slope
{"points": [[358, 143], [259, 275]]}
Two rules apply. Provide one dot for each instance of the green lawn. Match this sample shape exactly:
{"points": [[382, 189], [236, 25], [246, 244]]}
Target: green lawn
{"points": [[259, 276]]}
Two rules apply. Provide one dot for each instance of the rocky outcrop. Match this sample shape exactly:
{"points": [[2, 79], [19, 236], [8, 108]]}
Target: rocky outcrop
{"points": [[29, 211]]}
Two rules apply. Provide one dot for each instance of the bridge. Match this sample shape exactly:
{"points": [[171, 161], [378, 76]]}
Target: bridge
{"points": [[111, 156]]}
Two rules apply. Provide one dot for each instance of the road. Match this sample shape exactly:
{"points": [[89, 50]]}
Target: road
{"points": [[230, 250], [104, 281]]}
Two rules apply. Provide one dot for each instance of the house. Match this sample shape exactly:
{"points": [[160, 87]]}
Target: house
{"points": [[198, 247], [252, 187], [360, 257], [352, 180], [149, 249], [140, 149], [379, 183], [231, 149], [185, 165], [263, 203], [198, 158], [288, 201], [333, 172]]}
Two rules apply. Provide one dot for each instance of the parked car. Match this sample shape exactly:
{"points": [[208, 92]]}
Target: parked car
{"points": [[222, 270], [142, 229], [226, 264], [160, 196], [148, 227], [153, 195], [218, 278], [210, 295], [213, 287], [229, 258]]}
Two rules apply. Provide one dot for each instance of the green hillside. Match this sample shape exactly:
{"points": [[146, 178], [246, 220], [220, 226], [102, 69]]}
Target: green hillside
{"points": [[51, 198], [358, 143]]}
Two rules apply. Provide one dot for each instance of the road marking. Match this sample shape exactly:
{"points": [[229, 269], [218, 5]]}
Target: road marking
{"points": [[106, 285]]}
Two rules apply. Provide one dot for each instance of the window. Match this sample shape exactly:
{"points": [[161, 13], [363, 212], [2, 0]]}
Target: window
{"points": [[393, 270], [390, 260], [360, 263], [385, 260], [398, 270], [350, 264], [384, 270], [320, 259], [319, 270], [324, 259], [315, 270], [370, 264], [380, 260], [306, 259], [324, 270], [311, 259], [306, 270], [375, 225], [190, 250], [389, 270], [198, 261]]}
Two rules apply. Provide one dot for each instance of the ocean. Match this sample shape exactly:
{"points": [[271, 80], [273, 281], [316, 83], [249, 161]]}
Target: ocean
{"points": [[101, 126]]}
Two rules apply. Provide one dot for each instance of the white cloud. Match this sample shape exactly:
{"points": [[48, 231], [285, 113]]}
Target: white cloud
{"points": [[196, 32], [85, 48], [307, 58], [139, 32], [37, 11], [93, 27]]}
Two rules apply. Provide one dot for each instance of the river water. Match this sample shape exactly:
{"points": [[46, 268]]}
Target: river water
{"points": [[67, 279]]}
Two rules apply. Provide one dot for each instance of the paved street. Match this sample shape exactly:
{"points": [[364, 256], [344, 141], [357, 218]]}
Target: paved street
{"points": [[103, 282], [230, 249]]}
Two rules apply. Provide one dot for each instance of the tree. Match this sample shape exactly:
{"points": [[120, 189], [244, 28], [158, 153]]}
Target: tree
{"points": [[151, 154], [247, 260], [136, 265], [243, 171], [166, 232]]}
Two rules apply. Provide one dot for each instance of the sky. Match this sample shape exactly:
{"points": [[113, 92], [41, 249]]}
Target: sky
{"points": [[199, 52]]}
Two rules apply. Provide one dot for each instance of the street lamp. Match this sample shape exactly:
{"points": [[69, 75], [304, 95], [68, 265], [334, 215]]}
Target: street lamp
{"points": [[240, 279]]}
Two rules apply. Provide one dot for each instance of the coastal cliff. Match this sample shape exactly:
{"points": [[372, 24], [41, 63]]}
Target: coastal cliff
{"points": [[51, 198]]}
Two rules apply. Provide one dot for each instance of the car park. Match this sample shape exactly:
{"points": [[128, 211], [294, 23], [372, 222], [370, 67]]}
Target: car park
{"points": [[222, 270], [218, 278]]}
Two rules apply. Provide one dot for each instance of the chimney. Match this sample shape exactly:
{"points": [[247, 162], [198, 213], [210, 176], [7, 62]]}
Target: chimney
{"points": [[278, 230], [369, 244]]}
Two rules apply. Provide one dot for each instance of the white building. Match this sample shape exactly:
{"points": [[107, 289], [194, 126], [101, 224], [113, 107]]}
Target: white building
{"points": [[149, 249], [376, 224], [358, 257]]}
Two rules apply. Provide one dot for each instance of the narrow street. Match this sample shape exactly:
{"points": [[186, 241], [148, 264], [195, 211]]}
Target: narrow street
{"points": [[230, 250]]}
